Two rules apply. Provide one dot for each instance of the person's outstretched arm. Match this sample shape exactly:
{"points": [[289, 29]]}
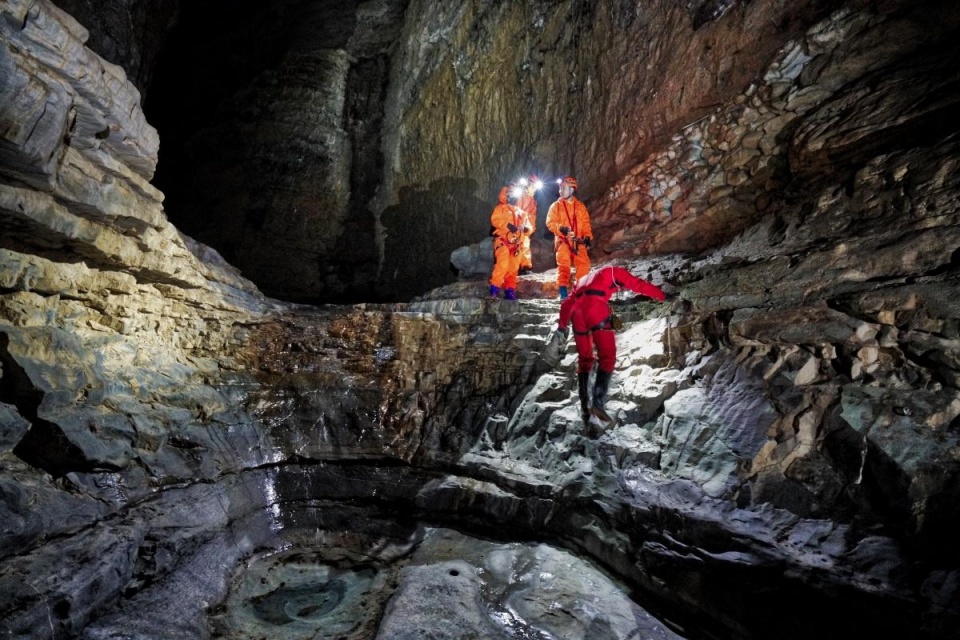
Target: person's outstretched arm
{"points": [[637, 285]]}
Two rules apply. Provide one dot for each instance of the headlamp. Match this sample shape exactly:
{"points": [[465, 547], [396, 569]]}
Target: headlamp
{"points": [[532, 183]]}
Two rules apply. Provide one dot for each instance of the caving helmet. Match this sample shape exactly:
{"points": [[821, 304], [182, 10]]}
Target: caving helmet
{"points": [[569, 181]]}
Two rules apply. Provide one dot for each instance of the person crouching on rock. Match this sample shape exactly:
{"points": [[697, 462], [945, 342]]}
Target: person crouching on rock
{"points": [[588, 309]]}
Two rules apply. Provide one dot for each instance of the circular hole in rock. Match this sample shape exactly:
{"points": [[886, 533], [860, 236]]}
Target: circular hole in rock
{"points": [[309, 602]]}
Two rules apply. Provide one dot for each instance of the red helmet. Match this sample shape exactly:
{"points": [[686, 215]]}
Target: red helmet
{"points": [[569, 181]]}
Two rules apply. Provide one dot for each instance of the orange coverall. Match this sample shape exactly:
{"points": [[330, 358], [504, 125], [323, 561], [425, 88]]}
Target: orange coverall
{"points": [[529, 204], [506, 243], [572, 214]]}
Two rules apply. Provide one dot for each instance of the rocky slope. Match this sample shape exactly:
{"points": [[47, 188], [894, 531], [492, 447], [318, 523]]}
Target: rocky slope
{"points": [[183, 457]]}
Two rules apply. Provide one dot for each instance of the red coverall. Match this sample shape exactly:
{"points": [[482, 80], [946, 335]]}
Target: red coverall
{"points": [[589, 310]]}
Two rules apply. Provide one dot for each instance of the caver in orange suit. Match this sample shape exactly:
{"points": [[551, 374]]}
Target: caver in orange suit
{"points": [[529, 204], [569, 222], [588, 309], [509, 224]]}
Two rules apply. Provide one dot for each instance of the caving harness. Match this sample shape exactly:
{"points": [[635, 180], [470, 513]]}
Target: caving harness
{"points": [[611, 322], [572, 226]]}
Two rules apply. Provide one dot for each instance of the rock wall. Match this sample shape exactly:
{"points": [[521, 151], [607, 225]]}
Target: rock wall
{"points": [[112, 324], [787, 423], [832, 104], [487, 93], [128, 33], [290, 95], [335, 127]]}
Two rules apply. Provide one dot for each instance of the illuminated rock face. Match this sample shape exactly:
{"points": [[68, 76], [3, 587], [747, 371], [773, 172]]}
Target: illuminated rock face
{"points": [[784, 455], [350, 139]]}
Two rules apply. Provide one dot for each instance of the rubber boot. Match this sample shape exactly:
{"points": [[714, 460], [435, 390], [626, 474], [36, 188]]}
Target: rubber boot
{"points": [[509, 294], [600, 386], [563, 292], [494, 291], [583, 382]]}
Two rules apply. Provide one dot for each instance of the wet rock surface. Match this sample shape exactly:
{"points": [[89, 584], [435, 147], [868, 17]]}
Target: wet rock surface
{"points": [[439, 583]]}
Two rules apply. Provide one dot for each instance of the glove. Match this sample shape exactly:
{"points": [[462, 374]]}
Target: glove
{"points": [[563, 333], [512, 227], [564, 230], [652, 291], [587, 242]]}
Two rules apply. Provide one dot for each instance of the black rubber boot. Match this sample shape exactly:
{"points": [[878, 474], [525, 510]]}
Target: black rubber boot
{"points": [[600, 386], [583, 383]]}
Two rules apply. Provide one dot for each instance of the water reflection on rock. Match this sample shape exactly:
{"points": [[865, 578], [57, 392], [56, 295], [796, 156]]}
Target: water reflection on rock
{"points": [[279, 598], [344, 586], [333, 589], [474, 588]]}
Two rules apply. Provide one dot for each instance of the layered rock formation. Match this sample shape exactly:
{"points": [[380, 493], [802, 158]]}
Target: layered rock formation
{"points": [[183, 457]]}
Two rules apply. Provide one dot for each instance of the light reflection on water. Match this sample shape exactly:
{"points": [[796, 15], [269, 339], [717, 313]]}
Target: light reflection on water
{"points": [[273, 502], [327, 585]]}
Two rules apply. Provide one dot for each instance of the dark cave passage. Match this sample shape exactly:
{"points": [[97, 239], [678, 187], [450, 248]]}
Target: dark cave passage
{"points": [[257, 179]]}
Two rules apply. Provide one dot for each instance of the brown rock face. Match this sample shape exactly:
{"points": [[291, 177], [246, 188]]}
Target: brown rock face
{"points": [[830, 102]]}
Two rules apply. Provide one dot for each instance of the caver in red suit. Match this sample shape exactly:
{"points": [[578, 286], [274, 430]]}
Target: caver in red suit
{"points": [[588, 309]]}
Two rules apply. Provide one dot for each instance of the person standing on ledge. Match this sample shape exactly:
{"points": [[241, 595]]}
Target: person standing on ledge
{"points": [[569, 221], [588, 309], [509, 224], [528, 189]]}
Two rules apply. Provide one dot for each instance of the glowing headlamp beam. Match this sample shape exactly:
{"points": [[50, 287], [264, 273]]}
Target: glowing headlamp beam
{"points": [[523, 183]]}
